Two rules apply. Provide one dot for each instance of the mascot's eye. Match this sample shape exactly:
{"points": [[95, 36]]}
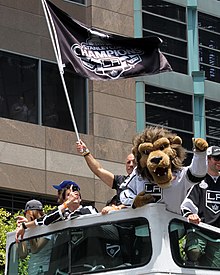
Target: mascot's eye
{"points": [[162, 147], [146, 152]]}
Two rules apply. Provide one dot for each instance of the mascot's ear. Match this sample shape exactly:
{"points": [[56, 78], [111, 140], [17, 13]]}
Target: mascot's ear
{"points": [[145, 148], [177, 140]]}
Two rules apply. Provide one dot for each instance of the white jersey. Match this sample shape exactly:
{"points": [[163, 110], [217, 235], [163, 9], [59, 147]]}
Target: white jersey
{"points": [[173, 195]]}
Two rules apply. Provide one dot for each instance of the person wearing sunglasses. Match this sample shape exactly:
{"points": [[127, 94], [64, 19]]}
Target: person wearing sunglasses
{"points": [[38, 249], [202, 204], [70, 207]]}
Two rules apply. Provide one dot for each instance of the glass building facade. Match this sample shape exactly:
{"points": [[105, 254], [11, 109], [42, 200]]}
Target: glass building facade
{"points": [[175, 108], [36, 93]]}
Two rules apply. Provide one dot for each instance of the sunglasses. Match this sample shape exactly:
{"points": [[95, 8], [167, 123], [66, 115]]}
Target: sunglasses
{"points": [[216, 158], [74, 188]]}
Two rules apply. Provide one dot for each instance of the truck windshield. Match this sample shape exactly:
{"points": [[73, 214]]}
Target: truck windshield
{"points": [[194, 246], [81, 250]]}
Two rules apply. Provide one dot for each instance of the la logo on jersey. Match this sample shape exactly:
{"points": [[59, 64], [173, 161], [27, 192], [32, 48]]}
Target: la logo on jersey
{"points": [[213, 201], [154, 190]]}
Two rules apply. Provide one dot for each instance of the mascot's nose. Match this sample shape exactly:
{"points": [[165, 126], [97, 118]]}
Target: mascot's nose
{"points": [[156, 160]]}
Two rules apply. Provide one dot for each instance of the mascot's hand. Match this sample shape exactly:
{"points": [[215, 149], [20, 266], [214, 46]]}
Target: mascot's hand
{"points": [[142, 199], [200, 145]]}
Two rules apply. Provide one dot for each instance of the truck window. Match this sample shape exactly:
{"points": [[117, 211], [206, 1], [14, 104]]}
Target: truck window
{"points": [[89, 249], [194, 246]]}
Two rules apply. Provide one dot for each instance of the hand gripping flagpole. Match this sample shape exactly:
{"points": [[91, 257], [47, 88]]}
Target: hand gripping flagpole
{"points": [[56, 47]]}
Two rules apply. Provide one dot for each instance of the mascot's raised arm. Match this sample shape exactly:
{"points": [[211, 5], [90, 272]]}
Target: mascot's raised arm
{"points": [[160, 175]]}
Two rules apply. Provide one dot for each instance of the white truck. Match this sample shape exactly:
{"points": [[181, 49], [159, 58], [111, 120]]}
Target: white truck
{"points": [[147, 240]]}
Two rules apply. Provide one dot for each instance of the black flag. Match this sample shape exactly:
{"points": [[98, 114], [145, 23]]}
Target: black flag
{"points": [[100, 55]]}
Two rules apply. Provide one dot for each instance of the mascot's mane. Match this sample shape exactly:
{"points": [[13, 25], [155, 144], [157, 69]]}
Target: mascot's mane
{"points": [[152, 134]]}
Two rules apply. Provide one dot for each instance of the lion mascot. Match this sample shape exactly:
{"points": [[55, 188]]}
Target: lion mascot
{"points": [[160, 175]]}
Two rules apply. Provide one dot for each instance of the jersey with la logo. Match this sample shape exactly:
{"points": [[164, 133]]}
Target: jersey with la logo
{"points": [[213, 201], [154, 190], [204, 199], [172, 196]]}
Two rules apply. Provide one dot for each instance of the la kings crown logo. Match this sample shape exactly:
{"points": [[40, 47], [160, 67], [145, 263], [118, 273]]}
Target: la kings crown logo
{"points": [[213, 201], [106, 60]]}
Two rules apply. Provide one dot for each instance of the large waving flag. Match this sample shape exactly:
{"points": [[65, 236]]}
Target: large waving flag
{"points": [[100, 55]]}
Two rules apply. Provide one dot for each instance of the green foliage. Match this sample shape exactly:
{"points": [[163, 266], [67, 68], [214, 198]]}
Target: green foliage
{"points": [[182, 242], [48, 208], [8, 224], [23, 266]]}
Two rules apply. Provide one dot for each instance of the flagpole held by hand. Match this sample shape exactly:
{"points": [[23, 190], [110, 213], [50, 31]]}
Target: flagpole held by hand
{"points": [[56, 48]]}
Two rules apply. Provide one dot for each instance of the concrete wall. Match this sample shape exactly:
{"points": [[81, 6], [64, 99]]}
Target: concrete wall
{"points": [[34, 157]]}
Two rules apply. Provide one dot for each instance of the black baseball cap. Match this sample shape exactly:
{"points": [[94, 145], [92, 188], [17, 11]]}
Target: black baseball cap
{"points": [[213, 151], [33, 205], [65, 183]]}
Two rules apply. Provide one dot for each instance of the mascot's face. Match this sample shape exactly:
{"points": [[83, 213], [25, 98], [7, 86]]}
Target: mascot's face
{"points": [[158, 156]]}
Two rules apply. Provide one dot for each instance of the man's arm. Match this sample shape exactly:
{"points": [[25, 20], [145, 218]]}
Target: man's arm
{"points": [[57, 214], [54, 215], [106, 176], [190, 205], [194, 218], [129, 190], [109, 208], [21, 229]]}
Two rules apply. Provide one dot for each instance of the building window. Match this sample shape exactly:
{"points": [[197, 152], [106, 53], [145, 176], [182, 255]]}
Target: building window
{"points": [[170, 109], [20, 89], [18, 86], [209, 49], [83, 2], [15, 201], [212, 112], [168, 21], [55, 109]]}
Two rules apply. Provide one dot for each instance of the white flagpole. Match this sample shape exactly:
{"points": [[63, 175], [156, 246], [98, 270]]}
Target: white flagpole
{"points": [[56, 47]]}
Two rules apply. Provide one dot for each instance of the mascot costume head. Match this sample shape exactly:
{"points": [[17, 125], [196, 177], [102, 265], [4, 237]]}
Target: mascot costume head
{"points": [[159, 153]]}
